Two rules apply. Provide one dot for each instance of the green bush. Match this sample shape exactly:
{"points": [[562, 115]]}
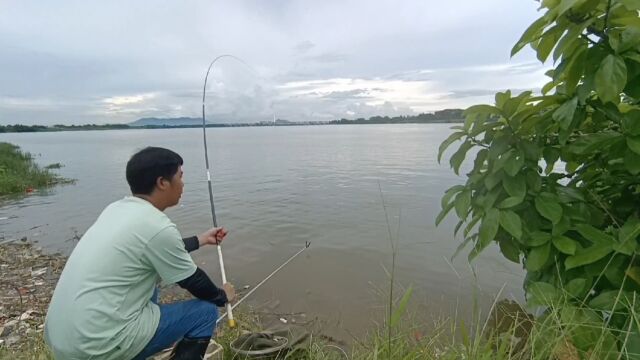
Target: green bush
{"points": [[555, 177]]}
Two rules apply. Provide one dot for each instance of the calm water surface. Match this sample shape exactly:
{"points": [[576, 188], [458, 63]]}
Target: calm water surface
{"points": [[275, 188]]}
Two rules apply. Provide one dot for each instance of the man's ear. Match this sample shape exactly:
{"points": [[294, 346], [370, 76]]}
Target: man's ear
{"points": [[162, 183]]}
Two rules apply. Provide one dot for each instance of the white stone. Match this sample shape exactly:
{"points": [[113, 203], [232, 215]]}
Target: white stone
{"points": [[12, 340]]}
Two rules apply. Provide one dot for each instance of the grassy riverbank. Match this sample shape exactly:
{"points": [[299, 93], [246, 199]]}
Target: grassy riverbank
{"points": [[19, 173], [28, 278]]}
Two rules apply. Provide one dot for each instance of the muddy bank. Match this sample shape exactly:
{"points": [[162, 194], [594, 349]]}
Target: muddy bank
{"points": [[27, 279]]}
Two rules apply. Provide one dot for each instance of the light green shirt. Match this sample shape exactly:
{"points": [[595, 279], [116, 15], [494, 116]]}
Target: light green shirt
{"points": [[101, 306]]}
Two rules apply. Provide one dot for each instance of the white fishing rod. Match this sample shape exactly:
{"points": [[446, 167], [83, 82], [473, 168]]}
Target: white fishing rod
{"points": [[232, 322], [229, 313]]}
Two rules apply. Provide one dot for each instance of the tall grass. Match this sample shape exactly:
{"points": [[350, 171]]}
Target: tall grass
{"points": [[19, 172]]}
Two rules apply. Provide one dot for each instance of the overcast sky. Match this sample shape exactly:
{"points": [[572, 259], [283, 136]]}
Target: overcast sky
{"points": [[75, 62]]}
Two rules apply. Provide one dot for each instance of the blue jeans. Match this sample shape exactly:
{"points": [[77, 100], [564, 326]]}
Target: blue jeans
{"points": [[194, 319]]}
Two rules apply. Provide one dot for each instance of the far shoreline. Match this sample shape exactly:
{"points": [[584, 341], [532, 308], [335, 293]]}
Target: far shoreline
{"points": [[108, 127]]}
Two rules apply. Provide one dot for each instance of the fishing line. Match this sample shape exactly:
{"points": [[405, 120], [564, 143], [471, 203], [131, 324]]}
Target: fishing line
{"points": [[306, 246]]}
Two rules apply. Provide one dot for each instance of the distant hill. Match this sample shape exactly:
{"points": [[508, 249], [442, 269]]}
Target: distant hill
{"points": [[182, 121]]}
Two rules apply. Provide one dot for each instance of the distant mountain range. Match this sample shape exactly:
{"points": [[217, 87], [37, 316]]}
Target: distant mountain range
{"points": [[181, 121]]}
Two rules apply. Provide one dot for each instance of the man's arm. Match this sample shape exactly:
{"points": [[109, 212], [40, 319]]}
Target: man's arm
{"points": [[200, 285], [191, 243], [213, 236]]}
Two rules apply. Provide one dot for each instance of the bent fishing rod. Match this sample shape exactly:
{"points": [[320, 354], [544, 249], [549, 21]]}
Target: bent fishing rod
{"points": [[229, 313], [232, 322]]}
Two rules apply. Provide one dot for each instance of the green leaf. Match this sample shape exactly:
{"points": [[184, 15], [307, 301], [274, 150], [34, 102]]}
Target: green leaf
{"points": [[489, 199], [514, 163], [590, 143], [634, 144], [461, 247], [471, 224], [458, 227], [502, 98], [606, 301], [488, 125], [480, 159], [632, 56], [575, 69], [569, 41], [538, 238], [542, 294], [493, 179], [631, 4], [499, 146], [444, 213], [565, 5], [515, 186], [594, 235], [588, 334], [615, 270], [534, 182], [537, 257], [548, 41], [569, 195], [624, 40], [611, 78], [631, 122], [531, 150], [550, 155], [448, 195], [457, 158], [532, 33], [489, 227], [510, 202], [633, 86], [588, 256], [630, 230], [564, 113], [509, 250], [462, 204], [512, 105], [627, 236], [402, 307], [548, 207], [564, 244], [482, 110], [576, 287], [561, 226], [634, 273], [632, 343], [450, 140], [548, 87], [511, 222]]}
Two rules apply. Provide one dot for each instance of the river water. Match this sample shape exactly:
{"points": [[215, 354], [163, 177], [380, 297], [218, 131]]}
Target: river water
{"points": [[276, 188]]}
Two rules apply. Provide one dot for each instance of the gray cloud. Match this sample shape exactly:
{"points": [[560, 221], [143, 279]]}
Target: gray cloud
{"points": [[75, 62], [303, 47]]}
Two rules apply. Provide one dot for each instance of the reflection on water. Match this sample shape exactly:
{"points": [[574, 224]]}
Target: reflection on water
{"points": [[275, 188]]}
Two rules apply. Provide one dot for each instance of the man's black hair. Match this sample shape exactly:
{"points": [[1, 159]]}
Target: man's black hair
{"points": [[147, 165]]}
